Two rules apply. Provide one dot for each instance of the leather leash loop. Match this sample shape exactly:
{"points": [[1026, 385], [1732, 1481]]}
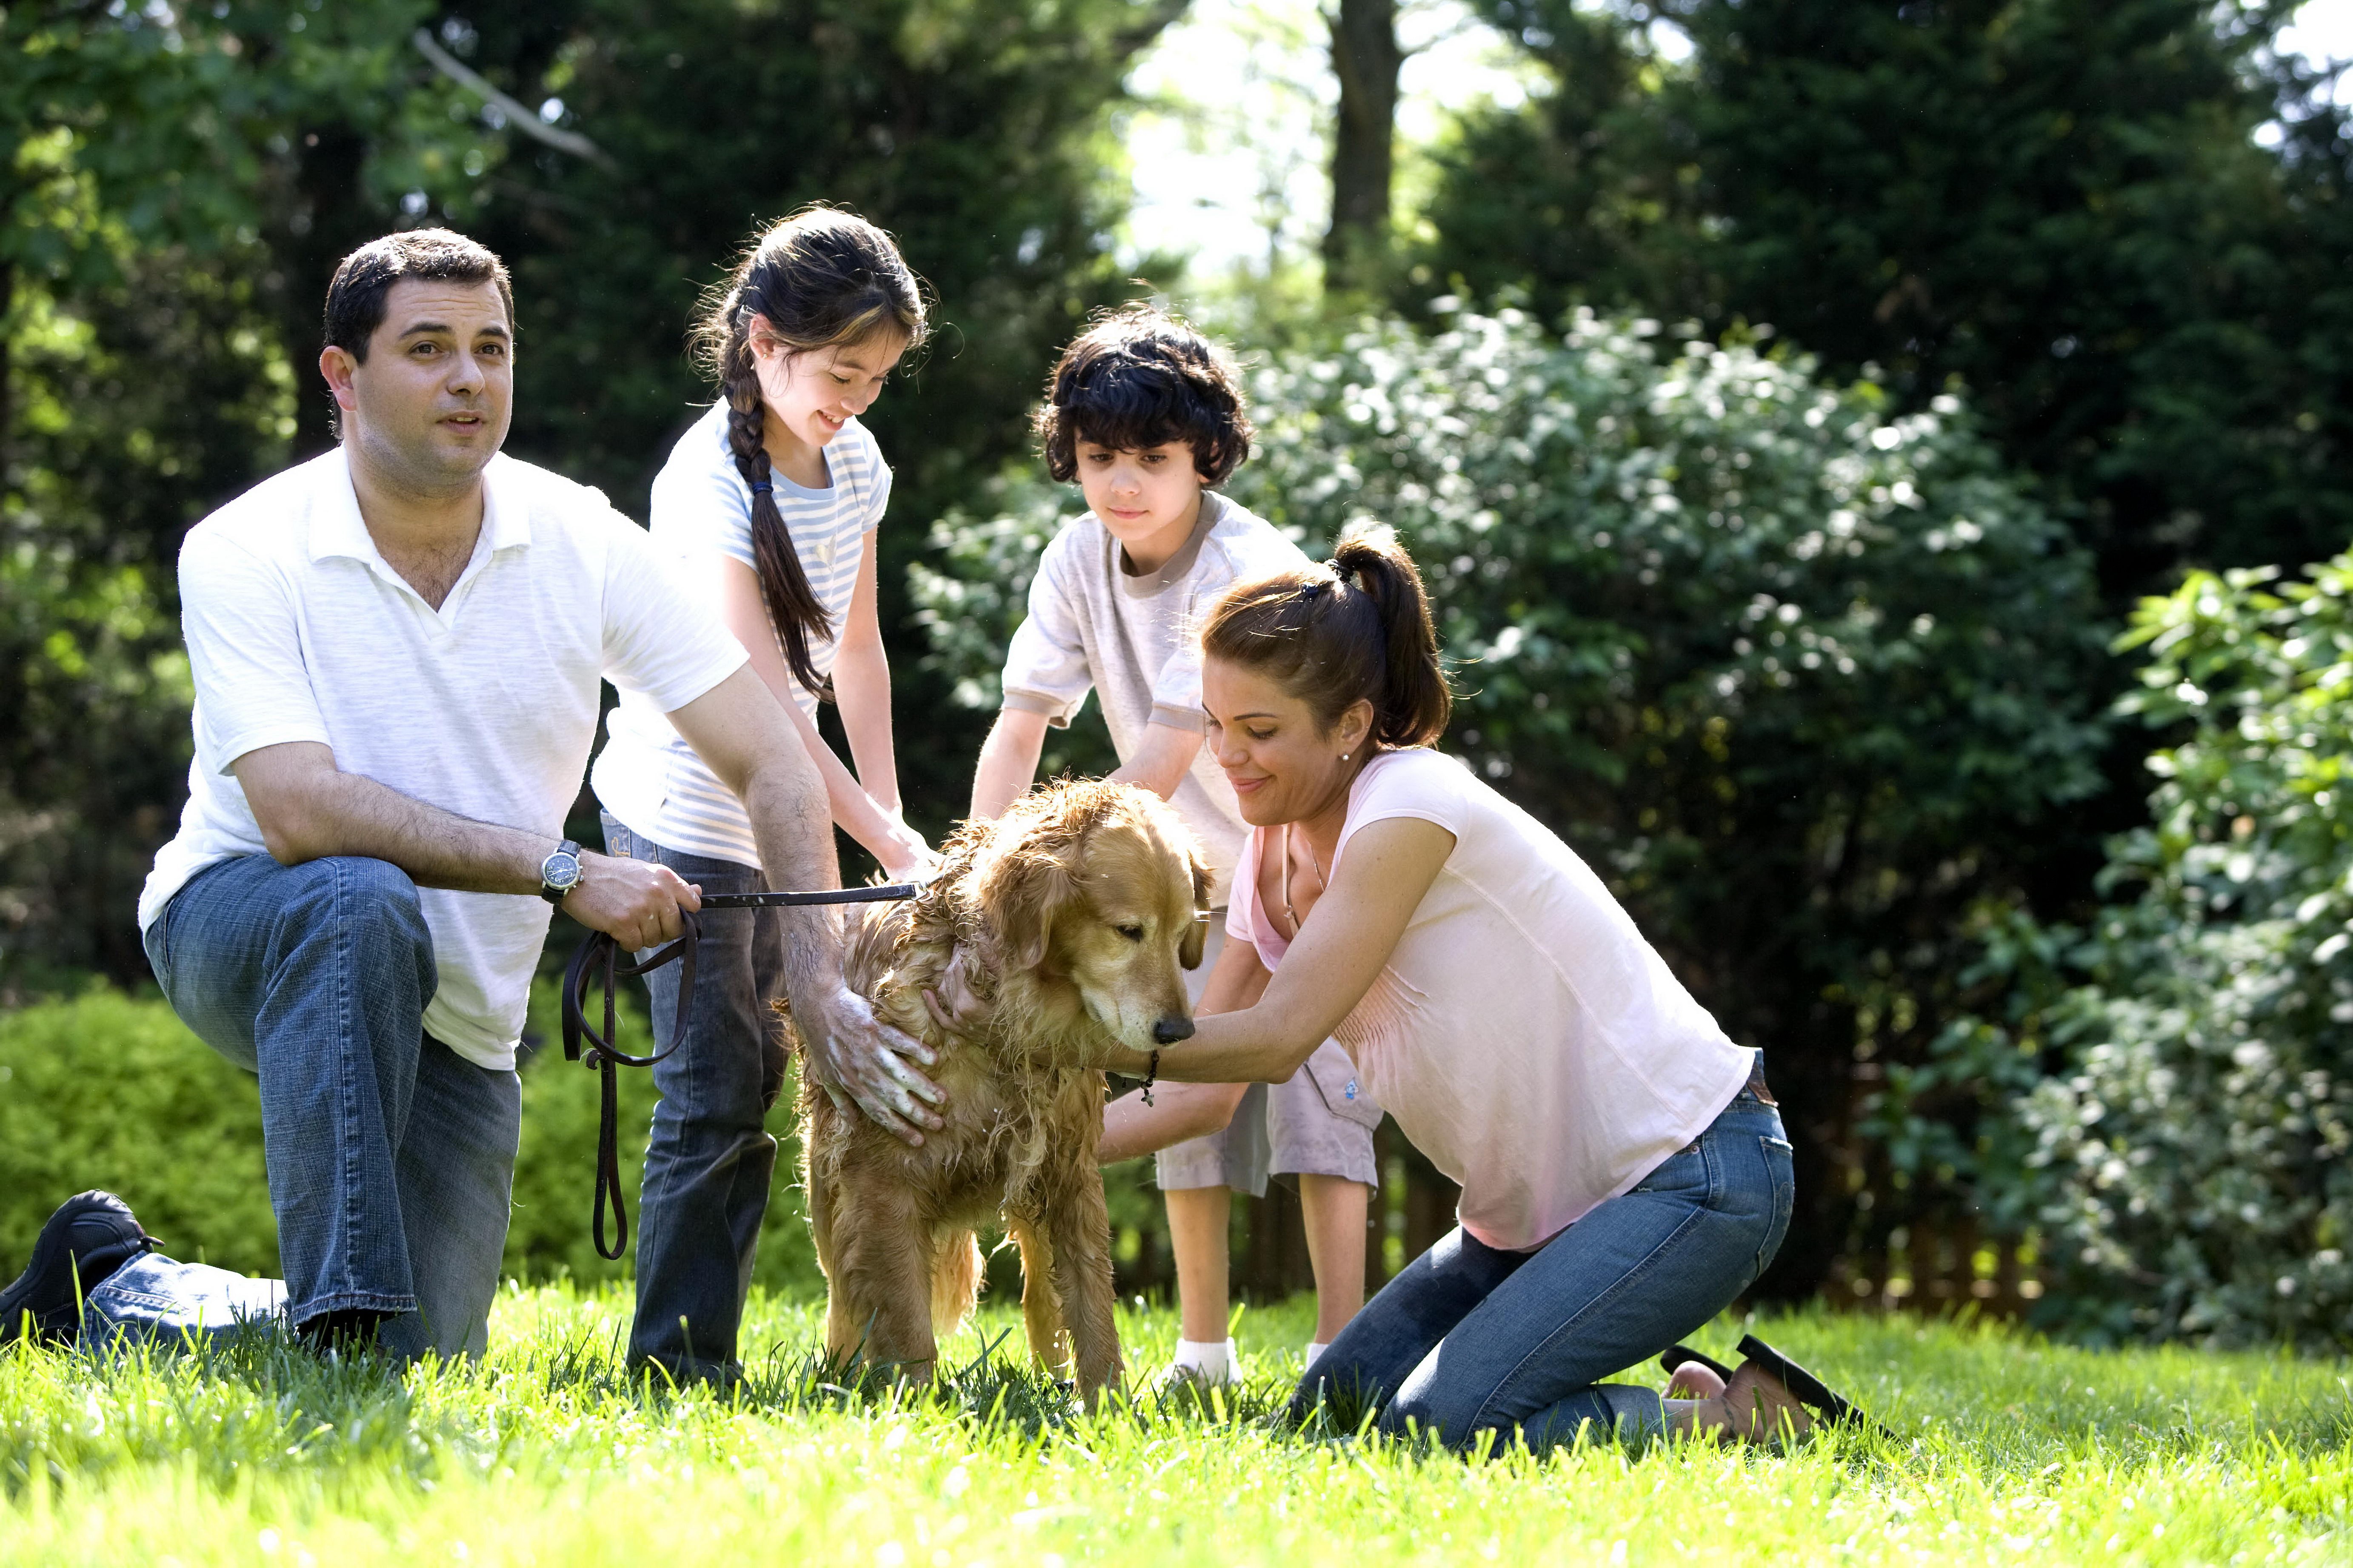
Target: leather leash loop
{"points": [[597, 961]]}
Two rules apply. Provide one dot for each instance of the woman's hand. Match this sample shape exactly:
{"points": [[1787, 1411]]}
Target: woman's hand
{"points": [[1340, 950]]}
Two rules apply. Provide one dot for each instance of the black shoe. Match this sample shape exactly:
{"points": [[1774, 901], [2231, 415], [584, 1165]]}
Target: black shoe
{"points": [[91, 1235]]}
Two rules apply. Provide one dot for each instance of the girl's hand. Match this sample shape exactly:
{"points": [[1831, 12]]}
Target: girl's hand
{"points": [[906, 857]]}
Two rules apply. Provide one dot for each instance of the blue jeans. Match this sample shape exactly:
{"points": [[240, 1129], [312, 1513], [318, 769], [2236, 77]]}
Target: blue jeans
{"points": [[1468, 1340], [708, 1160], [391, 1158]]}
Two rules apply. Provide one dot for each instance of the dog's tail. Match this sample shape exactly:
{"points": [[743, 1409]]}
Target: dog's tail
{"points": [[956, 1281]]}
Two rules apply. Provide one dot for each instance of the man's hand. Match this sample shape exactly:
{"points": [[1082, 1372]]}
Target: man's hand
{"points": [[856, 1058], [635, 902]]}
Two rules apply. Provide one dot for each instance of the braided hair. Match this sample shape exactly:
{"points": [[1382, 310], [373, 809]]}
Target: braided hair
{"points": [[821, 279]]}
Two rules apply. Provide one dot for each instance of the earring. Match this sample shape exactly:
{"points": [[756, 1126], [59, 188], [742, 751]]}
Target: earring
{"points": [[1343, 756]]}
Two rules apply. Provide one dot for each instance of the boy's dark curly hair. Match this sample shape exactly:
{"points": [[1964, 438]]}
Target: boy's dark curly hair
{"points": [[1138, 378]]}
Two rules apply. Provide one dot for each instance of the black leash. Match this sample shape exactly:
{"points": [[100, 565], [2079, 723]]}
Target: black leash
{"points": [[598, 960]]}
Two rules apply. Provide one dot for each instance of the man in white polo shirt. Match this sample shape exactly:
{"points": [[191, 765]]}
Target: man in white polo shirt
{"points": [[397, 648]]}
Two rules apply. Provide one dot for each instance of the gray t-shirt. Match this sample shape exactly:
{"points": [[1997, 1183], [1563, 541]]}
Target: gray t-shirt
{"points": [[1095, 625]]}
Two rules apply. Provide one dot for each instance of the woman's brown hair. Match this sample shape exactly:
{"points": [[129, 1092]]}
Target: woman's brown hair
{"points": [[821, 278], [1356, 628]]}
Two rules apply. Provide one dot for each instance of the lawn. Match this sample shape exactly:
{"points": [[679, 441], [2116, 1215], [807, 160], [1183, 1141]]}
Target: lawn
{"points": [[2014, 1450]]}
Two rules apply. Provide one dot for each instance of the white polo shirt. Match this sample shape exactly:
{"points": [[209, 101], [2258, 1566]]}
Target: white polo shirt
{"points": [[298, 630]]}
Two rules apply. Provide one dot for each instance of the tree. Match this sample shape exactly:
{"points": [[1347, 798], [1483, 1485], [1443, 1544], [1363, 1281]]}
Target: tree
{"points": [[146, 380], [2059, 205], [1366, 59], [180, 189], [975, 133]]}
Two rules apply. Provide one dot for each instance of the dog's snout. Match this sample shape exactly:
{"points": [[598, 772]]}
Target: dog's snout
{"points": [[1171, 1029]]}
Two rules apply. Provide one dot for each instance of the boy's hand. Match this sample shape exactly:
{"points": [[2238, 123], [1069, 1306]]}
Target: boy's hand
{"points": [[952, 1003], [1164, 759], [1008, 762]]}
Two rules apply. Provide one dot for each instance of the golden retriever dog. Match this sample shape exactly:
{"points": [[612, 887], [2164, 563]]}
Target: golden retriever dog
{"points": [[1062, 928]]}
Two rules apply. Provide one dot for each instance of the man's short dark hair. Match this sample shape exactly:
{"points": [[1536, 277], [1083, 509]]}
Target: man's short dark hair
{"points": [[356, 298], [1140, 378]]}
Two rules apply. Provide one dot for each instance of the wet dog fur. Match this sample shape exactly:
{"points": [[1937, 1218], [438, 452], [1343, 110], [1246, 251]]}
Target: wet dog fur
{"points": [[1064, 926]]}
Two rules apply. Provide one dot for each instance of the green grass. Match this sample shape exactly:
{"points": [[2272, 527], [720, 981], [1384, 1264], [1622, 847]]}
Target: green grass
{"points": [[2014, 1450]]}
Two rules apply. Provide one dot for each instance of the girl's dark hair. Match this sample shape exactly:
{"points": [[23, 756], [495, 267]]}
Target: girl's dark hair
{"points": [[1137, 379], [1355, 628], [821, 278]]}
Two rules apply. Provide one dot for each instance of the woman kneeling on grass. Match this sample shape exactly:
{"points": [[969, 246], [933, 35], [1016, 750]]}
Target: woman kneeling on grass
{"points": [[1624, 1173]]}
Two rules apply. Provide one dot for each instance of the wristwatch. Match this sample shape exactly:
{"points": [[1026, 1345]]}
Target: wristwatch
{"points": [[560, 872]]}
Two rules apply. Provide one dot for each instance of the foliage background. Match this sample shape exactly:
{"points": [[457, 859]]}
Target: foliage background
{"points": [[2070, 273]]}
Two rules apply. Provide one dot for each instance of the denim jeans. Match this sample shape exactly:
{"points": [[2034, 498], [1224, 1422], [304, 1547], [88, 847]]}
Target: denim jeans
{"points": [[708, 1160], [155, 1297], [391, 1157], [1469, 1339]]}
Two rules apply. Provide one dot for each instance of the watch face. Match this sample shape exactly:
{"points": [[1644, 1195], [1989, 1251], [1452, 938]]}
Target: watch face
{"points": [[560, 871]]}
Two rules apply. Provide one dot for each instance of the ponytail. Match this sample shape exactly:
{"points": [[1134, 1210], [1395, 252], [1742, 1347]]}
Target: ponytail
{"points": [[1414, 701], [1355, 629], [821, 278]]}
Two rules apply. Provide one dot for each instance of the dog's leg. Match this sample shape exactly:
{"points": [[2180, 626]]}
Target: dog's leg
{"points": [[880, 1305], [1077, 1227], [818, 1180], [956, 1280], [1042, 1312], [844, 1327]]}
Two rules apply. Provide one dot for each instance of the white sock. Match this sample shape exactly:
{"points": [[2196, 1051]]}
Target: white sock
{"points": [[1213, 1359], [1315, 1349]]}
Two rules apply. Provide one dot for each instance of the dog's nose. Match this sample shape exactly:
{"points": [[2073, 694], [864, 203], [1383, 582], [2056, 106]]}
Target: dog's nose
{"points": [[1168, 1031]]}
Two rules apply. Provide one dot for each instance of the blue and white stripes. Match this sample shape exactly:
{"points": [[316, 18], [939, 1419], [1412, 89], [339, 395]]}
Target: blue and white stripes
{"points": [[647, 776]]}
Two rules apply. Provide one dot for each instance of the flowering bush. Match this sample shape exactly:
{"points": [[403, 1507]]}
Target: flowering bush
{"points": [[1794, 674], [2190, 1168]]}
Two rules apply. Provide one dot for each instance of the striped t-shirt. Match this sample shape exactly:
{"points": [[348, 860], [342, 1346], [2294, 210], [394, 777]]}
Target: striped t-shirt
{"points": [[647, 776]]}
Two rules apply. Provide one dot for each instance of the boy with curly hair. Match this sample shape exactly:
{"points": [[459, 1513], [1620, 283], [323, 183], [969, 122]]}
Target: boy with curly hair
{"points": [[1146, 416]]}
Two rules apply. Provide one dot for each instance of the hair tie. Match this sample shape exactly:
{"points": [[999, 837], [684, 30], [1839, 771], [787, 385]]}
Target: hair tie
{"points": [[761, 487]]}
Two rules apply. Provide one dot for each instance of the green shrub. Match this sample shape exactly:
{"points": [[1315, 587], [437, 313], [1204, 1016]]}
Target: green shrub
{"points": [[108, 1090], [2189, 1164], [1800, 678]]}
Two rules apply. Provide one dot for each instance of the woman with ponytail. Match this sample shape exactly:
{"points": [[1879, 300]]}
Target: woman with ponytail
{"points": [[1624, 1173], [770, 502]]}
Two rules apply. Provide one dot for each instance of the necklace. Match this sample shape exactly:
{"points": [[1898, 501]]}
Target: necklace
{"points": [[1320, 884]]}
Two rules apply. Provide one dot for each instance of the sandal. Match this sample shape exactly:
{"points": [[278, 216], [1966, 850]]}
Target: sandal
{"points": [[1675, 1356], [1831, 1407]]}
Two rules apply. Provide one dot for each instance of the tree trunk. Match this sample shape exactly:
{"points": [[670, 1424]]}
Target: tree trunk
{"points": [[1366, 58], [7, 367], [323, 213]]}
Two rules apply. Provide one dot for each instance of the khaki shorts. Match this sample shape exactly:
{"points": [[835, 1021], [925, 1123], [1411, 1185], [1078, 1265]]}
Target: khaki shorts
{"points": [[1319, 1123]]}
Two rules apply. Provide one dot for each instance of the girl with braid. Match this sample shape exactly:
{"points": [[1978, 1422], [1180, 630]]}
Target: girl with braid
{"points": [[770, 502]]}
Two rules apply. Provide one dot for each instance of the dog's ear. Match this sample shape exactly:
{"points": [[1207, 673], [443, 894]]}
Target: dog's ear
{"points": [[1196, 936], [1020, 894]]}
